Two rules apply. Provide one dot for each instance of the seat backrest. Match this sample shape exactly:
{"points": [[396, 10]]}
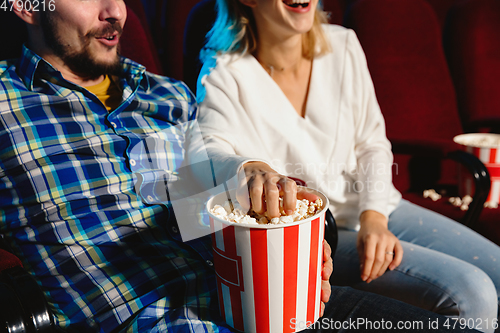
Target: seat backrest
{"points": [[403, 46], [13, 34], [472, 40], [336, 10], [134, 42], [441, 8], [172, 36], [136, 6], [198, 23]]}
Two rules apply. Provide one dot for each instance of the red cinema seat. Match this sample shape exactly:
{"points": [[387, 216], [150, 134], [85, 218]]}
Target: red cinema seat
{"points": [[472, 42], [403, 45]]}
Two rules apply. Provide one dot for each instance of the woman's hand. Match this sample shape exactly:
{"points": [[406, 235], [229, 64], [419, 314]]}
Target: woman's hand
{"points": [[378, 248], [326, 288], [261, 187]]}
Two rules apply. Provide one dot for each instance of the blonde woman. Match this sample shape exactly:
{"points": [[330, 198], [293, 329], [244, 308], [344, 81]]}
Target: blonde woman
{"points": [[284, 94]]}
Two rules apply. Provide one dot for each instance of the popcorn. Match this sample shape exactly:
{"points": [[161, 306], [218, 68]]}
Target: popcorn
{"points": [[455, 201], [467, 200], [237, 215], [432, 194], [263, 220], [281, 219], [463, 203], [491, 204], [303, 210], [485, 140], [219, 211]]}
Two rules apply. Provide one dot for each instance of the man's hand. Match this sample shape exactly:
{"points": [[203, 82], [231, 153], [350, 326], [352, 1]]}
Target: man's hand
{"points": [[326, 288], [378, 248], [261, 187]]}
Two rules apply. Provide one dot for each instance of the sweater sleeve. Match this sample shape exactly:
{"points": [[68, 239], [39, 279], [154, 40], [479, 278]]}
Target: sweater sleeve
{"points": [[372, 148], [221, 121]]}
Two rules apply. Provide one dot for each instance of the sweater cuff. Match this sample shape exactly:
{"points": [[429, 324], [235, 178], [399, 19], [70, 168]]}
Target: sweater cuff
{"points": [[378, 206]]}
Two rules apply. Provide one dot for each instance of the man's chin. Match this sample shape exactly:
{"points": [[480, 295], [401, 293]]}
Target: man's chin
{"points": [[91, 68], [111, 63], [92, 64]]}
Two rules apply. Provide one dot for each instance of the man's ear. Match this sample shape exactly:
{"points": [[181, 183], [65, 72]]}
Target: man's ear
{"points": [[22, 10], [249, 3]]}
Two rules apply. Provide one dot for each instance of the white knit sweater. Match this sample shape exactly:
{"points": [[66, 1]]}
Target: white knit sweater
{"points": [[339, 147]]}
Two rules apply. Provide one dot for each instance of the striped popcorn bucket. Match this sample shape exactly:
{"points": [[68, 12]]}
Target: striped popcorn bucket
{"points": [[268, 276], [486, 147]]}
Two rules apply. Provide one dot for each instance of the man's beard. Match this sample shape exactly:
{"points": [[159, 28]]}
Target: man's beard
{"points": [[81, 62]]}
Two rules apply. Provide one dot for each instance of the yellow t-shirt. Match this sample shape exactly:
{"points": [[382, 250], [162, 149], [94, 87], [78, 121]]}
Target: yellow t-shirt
{"points": [[108, 93]]}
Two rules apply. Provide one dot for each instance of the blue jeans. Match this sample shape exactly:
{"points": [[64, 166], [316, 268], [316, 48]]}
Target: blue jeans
{"points": [[447, 268], [351, 310]]}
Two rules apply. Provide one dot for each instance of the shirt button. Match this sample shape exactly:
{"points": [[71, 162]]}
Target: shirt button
{"points": [[132, 162], [150, 198], [113, 124], [210, 263], [175, 230]]}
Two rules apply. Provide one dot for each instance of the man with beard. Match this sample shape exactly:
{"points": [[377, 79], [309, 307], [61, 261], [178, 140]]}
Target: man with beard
{"points": [[74, 201]]}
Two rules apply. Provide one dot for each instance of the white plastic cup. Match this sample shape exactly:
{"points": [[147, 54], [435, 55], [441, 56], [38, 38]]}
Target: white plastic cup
{"points": [[268, 276]]}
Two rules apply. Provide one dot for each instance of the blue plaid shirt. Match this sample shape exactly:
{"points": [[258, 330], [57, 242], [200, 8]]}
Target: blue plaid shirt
{"points": [[106, 254]]}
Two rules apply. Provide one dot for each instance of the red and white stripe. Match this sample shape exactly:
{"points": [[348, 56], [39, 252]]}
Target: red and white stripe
{"points": [[269, 280], [491, 159]]}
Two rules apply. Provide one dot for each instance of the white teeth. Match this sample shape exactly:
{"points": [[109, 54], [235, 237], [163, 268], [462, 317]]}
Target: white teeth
{"points": [[296, 1]]}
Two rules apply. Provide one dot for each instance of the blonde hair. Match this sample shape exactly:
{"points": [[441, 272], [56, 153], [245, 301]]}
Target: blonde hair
{"points": [[235, 31]]}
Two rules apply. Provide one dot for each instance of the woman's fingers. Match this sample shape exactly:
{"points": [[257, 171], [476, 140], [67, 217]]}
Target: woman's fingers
{"points": [[305, 193], [272, 193], [256, 193], [289, 193], [379, 258], [265, 186], [393, 256], [379, 262], [378, 248], [367, 253], [398, 256], [388, 257], [374, 258]]}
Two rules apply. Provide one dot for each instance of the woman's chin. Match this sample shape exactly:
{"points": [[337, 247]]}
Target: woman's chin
{"points": [[303, 28]]}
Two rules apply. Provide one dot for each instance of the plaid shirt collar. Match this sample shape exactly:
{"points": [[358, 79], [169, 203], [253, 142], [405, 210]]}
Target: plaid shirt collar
{"points": [[31, 64]]}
